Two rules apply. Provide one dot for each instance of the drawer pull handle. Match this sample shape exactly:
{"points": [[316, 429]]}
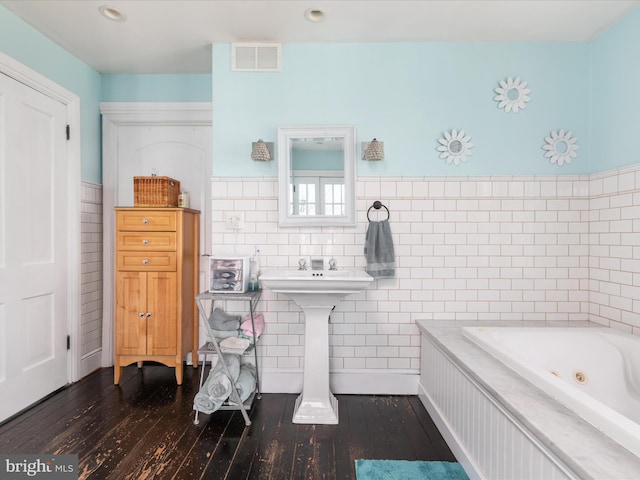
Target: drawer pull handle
{"points": [[145, 261], [148, 314], [145, 242], [145, 220], [141, 314]]}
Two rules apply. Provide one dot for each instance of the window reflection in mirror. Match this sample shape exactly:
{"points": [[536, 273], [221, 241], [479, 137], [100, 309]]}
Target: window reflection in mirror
{"points": [[316, 175]]}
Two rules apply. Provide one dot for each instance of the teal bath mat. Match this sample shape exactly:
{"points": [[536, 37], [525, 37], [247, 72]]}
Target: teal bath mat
{"points": [[408, 470]]}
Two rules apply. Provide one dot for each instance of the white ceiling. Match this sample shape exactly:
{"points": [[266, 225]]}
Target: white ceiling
{"points": [[175, 36]]}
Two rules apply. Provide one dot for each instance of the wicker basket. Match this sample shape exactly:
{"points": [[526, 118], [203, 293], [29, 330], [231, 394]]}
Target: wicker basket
{"points": [[155, 192]]}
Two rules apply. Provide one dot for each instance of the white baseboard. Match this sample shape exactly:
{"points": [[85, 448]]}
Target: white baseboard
{"points": [[359, 382], [90, 362]]}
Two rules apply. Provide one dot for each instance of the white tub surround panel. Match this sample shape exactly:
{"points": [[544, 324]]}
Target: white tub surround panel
{"points": [[91, 265], [499, 425]]}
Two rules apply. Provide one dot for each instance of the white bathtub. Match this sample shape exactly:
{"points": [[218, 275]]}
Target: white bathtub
{"points": [[594, 372]]}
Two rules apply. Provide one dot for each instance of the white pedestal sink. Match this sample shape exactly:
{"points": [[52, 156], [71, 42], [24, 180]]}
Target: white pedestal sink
{"points": [[316, 292]]}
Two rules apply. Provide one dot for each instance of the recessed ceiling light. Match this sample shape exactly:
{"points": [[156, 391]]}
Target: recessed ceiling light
{"points": [[314, 15], [112, 13]]}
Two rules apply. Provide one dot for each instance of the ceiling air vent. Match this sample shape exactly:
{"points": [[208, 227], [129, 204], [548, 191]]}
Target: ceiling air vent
{"points": [[255, 57]]}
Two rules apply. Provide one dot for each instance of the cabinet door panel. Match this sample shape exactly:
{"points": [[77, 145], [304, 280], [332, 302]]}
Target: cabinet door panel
{"points": [[162, 325], [131, 328]]}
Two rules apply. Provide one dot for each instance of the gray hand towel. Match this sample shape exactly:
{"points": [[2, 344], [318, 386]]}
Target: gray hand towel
{"points": [[220, 320], [378, 250]]}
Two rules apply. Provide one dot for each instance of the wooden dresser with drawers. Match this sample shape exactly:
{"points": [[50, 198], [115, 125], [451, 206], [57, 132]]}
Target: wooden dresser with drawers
{"points": [[156, 284]]}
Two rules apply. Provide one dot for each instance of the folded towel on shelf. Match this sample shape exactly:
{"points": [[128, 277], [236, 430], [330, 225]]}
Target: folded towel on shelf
{"points": [[220, 320], [246, 382], [217, 387], [378, 250], [258, 321], [222, 334], [235, 345]]}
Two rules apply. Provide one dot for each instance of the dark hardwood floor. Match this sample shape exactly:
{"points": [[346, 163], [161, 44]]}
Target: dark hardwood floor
{"points": [[143, 429]]}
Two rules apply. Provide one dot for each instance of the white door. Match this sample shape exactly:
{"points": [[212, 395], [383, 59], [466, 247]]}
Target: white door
{"points": [[33, 246], [179, 151], [182, 152]]}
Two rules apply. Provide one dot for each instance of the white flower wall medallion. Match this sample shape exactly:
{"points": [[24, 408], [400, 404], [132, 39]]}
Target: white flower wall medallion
{"points": [[455, 147], [560, 147], [513, 95]]}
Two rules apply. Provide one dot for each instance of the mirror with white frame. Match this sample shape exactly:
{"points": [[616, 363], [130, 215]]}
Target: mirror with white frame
{"points": [[316, 175]]}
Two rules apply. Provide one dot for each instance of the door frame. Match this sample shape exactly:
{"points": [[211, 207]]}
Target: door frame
{"points": [[29, 77], [114, 116]]}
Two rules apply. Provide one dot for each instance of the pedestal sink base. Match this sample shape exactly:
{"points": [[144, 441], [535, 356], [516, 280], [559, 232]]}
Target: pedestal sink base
{"points": [[316, 404], [325, 413], [316, 292]]}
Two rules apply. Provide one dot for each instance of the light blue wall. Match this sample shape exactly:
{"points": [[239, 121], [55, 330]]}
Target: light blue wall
{"points": [[407, 95], [30, 47], [403, 94], [615, 94], [156, 88]]}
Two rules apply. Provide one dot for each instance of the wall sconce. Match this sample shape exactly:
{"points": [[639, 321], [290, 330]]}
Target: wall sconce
{"points": [[373, 150], [262, 151]]}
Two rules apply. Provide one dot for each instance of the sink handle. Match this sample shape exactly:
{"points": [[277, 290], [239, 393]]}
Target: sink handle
{"points": [[302, 264], [333, 264]]}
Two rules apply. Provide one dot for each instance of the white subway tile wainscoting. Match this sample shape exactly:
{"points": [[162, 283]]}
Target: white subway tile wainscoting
{"points": [[558, 248], [91, 243]]}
